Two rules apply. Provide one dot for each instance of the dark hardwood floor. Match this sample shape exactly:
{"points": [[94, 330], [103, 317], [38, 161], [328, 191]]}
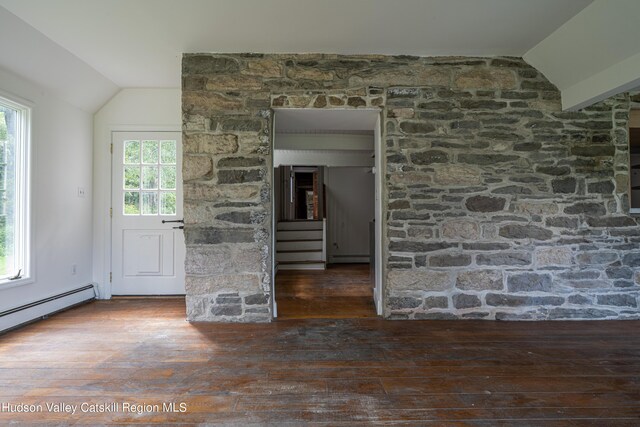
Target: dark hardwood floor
{"points": [[325, 372], [340, 291]]}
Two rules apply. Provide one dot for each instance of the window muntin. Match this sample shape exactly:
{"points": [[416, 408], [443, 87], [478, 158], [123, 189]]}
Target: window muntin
{"points": [[149, 181], [14, 191]]}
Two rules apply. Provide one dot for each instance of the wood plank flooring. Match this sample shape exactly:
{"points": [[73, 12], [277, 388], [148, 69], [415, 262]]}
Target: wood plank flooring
{"points": [[341, 291], [321, 372]]}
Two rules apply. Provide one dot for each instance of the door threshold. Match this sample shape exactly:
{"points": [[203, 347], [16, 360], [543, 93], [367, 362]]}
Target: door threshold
{"points": [[286, 318], [147, 296]]}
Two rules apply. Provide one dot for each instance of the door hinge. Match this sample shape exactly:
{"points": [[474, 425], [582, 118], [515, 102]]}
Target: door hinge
{"points": [[110, 212], [110, 277], [111, 148]]}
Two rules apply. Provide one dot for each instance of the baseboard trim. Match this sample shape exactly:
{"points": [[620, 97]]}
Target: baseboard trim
{"points": [[350, 259], [27, 313]]}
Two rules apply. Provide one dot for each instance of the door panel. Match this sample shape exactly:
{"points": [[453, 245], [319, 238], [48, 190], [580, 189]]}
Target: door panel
{"points": [[148, 253], [148, 247]]}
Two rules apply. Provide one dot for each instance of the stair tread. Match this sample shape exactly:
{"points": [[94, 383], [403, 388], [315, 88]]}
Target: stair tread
{"points": [[292, 251]]}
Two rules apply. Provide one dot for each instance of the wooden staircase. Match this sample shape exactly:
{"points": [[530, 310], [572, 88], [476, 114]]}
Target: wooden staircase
{"points": [[300, 245]]}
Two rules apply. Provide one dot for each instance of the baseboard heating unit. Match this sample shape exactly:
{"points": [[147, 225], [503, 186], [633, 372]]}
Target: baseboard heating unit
{"points": [[18, 316]]}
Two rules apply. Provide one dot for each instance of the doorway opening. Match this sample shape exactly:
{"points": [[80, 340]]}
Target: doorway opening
{"points": [[326, 210]]}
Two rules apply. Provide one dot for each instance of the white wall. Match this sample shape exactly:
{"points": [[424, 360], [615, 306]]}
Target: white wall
{"points": [[350, 208], [129, 110], [61, 138]]}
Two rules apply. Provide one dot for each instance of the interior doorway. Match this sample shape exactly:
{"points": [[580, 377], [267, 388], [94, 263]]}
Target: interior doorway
{"points": [[326, 210]]}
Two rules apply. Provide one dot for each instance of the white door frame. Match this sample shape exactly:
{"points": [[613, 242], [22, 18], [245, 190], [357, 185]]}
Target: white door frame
{"points": [[379, 182], [274, 304], [378, 291], [106, 193]]}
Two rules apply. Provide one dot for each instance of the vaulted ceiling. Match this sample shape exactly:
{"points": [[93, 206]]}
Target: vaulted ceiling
{"points": [[125, 43]]}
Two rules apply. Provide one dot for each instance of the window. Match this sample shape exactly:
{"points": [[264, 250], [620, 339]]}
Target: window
{"points": [[149, 177], [14, 191]]}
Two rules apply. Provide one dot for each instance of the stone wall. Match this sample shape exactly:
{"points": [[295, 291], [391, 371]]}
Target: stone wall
{"points": [[498, 205]]}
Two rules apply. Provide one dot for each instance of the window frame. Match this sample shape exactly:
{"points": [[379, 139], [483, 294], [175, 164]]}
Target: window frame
{"points": [[141, 164], [24, 189]]}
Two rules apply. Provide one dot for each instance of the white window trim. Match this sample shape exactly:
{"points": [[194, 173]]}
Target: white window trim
{"points": [[24, 170]]}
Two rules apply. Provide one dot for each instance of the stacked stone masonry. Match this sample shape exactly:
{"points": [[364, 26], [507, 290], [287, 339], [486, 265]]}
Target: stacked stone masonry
{"points": [[497, 204]]}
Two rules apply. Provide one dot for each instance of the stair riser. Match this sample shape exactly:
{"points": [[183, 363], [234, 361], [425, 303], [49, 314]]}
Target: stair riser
{"points": [[299, 235], [300, 225], [299, 246], [318, 266], [299, 256]]}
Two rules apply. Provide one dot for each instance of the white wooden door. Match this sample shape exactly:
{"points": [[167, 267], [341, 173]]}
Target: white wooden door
{"points": [[148, 248]]}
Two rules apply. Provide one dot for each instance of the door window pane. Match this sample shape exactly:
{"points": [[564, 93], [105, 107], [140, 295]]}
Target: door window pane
{"points": [[168, 177], [150, 152], [168, 203], [149, 177], [131, 177], [150, 203], [131, 152], [132, 203], [168, 152]]}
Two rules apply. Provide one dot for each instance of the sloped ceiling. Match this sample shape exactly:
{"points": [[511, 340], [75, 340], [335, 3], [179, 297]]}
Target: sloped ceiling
{"points": [[29, 54], [140, 43], [594, 55]]}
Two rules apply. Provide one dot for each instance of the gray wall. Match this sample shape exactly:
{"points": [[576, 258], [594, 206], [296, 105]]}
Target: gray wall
{"points": [[498, 205]]}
